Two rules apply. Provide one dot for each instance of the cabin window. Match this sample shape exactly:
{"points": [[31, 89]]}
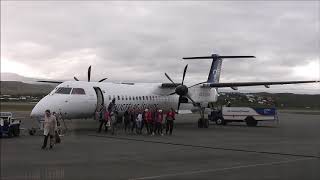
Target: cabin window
{"points": [[130, 98], [118, 98], [63, 90], [110, 97], [147, 98], [140, 98], [78, 91], [122, 97]]}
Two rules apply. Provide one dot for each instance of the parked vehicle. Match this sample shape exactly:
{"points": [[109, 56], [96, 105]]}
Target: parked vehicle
{"points": [[250, 115], [8, 125]]}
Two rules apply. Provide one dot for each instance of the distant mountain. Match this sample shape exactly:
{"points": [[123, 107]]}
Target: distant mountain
{"points": [[20, 88], [16, 77]]}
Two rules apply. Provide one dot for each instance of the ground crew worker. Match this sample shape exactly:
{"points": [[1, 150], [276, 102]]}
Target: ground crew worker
{"points": [[170, 118], [50, 125]]}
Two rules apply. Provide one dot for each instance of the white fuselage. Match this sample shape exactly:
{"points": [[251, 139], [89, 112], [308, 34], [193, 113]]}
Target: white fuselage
{"points": [[80, 99]]}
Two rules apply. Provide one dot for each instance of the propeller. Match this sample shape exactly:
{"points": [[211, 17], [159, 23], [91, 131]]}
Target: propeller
{"points": [[89, 76], [182, 90], [75, 78], [89, 73]]}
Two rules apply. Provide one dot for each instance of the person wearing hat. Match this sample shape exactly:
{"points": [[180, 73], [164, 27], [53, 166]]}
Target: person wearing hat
{"points": [[159, 119], [147, 120]]}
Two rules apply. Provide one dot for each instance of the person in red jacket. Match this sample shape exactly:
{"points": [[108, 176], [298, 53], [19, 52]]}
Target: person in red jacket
{"points": [[158, 120], [170, 118], [147, 121]]}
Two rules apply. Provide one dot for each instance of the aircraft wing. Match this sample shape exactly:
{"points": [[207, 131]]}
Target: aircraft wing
{"points": [[169, 85], [266, 84]]}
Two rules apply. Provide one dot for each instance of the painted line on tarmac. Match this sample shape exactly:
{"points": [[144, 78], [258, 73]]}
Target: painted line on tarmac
{"points": [[219, 169], [207, 147]]}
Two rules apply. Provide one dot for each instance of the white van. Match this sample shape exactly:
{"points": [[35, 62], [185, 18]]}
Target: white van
{"points": [[249, 115]]}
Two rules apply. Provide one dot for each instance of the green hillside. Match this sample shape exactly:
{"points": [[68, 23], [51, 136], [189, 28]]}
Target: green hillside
{"points": [[20, 88], [279, 100]]}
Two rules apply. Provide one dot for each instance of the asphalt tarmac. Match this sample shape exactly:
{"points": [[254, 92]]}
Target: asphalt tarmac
{"points": [[289, 150]]}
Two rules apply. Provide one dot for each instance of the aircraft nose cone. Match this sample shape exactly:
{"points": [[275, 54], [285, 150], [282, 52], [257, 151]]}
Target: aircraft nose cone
{"points": [[38, 109]]}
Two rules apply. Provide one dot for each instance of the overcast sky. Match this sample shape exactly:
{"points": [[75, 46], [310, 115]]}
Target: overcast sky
{"points": [[139, 41]]}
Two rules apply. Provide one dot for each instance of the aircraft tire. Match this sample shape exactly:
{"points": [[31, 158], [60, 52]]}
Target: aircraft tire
{"points": [[16, 131], [200, 123], [206, 123], [220, 122], [10, 133], [32, 132]]}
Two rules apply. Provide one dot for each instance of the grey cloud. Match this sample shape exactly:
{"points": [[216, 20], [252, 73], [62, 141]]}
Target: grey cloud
{"points": [[139, 41]]}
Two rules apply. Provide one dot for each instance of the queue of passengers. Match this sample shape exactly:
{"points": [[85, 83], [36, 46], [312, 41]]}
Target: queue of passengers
{"points": [[137, 121]]}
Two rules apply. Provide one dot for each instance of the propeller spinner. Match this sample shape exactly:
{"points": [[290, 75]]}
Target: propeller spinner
{"points": [[181, 90]]}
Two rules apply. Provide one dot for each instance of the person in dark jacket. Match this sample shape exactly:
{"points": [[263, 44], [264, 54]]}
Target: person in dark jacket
{"points": [[170, 118], [127, 119], [100, 115], [133, 116]]}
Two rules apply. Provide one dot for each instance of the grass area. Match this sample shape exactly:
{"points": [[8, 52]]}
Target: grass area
{"points": [[16, 106]]}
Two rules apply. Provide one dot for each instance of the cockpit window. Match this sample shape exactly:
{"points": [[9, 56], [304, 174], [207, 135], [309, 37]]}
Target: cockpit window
{"points": [[78, 91], [63, 90]]}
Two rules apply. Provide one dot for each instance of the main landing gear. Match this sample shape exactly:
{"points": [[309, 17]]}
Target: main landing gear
{"points": [[203, 122]]}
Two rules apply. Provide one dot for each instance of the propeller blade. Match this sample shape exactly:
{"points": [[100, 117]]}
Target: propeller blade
{"points": [[169, 78], [89, 73], [171, 93], [178, 106], [55, 82], [103, 79], [184, 73], [75, 78], [191, 99], [197, 84]]}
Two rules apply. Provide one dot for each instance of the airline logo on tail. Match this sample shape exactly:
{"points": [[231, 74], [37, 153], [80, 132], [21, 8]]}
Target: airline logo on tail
{"points": [[215, 70]]}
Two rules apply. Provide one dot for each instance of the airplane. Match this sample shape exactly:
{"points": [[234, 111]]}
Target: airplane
{"points": [[80, 99]]}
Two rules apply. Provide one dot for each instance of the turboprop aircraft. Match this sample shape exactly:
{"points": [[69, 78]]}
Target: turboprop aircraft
{"points": [[80, 99]]}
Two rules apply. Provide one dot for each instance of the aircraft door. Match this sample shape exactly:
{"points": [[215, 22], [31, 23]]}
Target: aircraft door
{"points": [[100, 99]]}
